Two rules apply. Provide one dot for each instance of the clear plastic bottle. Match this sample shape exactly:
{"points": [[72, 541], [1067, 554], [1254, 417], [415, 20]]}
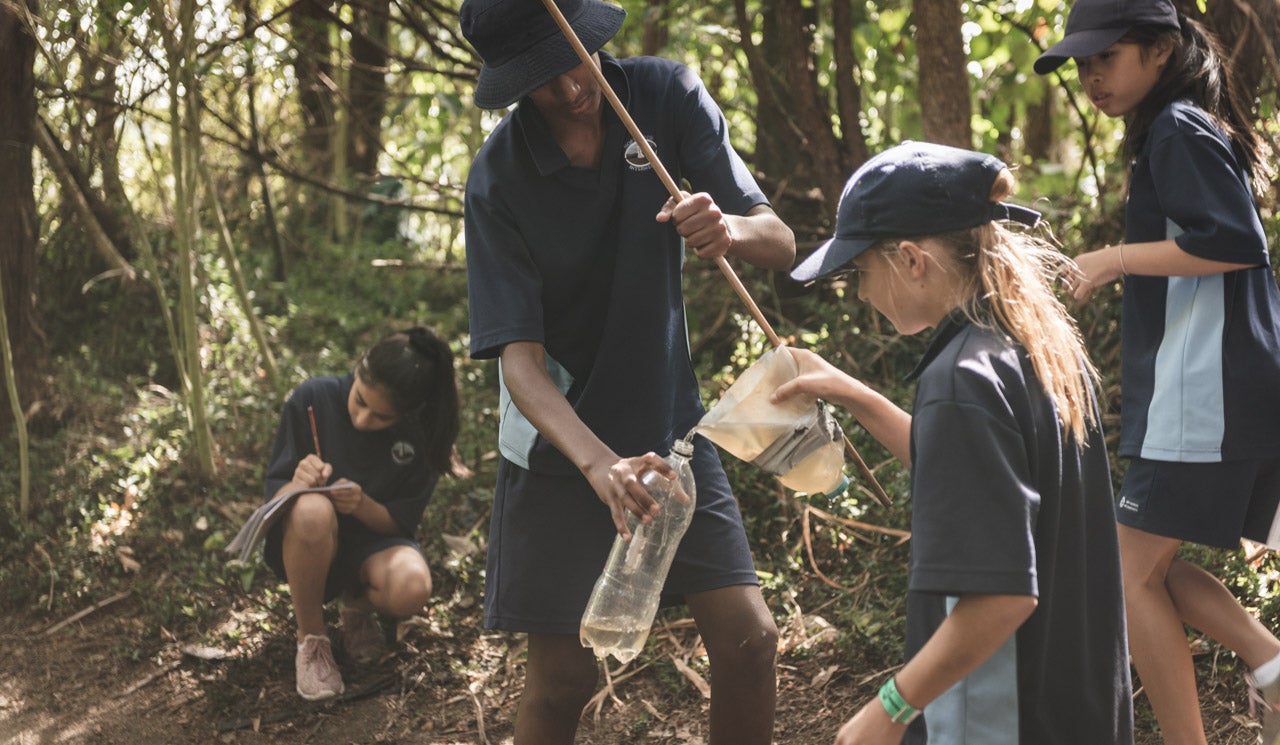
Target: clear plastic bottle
{"points": [[625, 599]]}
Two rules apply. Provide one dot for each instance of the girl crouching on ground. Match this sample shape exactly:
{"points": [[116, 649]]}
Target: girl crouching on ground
{"points": [[385, 432]]}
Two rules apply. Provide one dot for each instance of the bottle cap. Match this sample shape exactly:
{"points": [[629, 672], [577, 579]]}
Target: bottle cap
{"points": [[683, 448], [841, 488]]}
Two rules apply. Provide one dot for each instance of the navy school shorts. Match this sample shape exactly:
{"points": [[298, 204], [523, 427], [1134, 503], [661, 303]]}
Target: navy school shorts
{"points": [[355, 545], [1214, 504], [550, 535]]}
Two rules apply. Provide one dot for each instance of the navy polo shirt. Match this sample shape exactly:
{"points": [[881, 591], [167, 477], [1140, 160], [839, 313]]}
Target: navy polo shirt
{"points": [[1002, 503], [572, 258], [389, 464], [1201, 355]]}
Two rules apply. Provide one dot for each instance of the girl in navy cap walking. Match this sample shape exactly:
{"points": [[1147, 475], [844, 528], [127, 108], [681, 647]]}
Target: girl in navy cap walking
{"points": [[1015, 632], [385, 431], [1200, 410]]}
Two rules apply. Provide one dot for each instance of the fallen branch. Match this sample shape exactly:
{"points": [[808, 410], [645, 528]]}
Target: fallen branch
{"points": [[807, 534], [153, 677], [484, 740], [597, 701], [692, 675], [903, 535], [95, 607]]}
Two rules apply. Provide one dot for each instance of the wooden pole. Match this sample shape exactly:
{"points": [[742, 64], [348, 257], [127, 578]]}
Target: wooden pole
{"points": [[876, 490]]}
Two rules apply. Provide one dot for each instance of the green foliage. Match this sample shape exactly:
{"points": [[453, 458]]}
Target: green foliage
{"points": [[117, 504]]}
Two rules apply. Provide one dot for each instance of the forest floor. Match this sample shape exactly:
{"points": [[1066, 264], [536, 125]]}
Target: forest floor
{"points": [[445, 682]]}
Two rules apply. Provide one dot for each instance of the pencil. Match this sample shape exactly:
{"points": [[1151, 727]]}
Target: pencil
{"points": [[315, 435]]}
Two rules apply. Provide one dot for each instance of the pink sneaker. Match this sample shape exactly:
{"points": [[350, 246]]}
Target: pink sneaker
{"points": [[318, 675], [362, 638]]}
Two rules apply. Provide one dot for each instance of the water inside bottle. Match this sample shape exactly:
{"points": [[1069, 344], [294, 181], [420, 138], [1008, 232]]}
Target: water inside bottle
{"points": [[620, 637]]}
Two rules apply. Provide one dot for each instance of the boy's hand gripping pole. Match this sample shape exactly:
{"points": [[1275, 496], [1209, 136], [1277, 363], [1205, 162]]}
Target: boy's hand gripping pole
{"points": [[741, 290]]}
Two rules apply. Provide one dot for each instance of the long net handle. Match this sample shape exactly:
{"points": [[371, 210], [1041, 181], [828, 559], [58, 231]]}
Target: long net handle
{"points": [[674, 190]]}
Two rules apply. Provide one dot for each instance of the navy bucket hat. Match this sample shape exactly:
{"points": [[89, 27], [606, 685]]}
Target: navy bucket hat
{"points": [[1094, 25], [523, 48], [912, 189]]}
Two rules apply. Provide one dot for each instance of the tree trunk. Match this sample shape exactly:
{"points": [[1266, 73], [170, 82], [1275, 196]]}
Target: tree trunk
{"points": [[774, 127], [820, 147], [1038, 135], [18, 228], [178, 36], [367, 87], [945, 106], [848, 85], [1249, 32], [104, 93], [255, 146], [316, 87], [654, 37]]}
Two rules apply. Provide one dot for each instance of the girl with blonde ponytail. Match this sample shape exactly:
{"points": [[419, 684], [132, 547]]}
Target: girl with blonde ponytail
{"points": [[1015, 621]]}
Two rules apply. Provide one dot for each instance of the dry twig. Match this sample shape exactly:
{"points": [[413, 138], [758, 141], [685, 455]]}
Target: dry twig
{"points": [[95, 607]]}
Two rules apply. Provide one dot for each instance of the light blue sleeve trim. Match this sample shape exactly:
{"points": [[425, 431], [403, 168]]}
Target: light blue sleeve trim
{"points": [[516, 434], [1186, 418], [983, 707]]}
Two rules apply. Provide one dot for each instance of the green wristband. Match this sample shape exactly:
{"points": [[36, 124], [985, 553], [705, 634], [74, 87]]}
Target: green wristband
{"points": [[898, 709]]}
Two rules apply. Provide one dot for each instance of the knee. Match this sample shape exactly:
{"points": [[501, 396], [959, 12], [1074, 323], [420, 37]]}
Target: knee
{"points": [[410, 590], [751, 653], [565, 688], [312, 521]]}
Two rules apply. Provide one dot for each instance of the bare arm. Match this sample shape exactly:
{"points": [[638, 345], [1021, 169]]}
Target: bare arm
{"points": [[882, 418], [355, 502], [1155, 259], [311, 471], [615, 480], [759, 237], [974, 630]]}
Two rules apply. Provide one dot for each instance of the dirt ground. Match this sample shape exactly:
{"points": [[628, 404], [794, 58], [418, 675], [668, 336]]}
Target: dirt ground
{"points": [[446, 682]]}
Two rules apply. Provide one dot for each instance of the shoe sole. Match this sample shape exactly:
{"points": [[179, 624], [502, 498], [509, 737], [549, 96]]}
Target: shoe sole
{"points": [[321, 696]]}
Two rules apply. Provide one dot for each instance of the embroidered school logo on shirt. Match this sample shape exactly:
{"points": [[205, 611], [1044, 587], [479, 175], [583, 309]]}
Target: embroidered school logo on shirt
{"points": [[1129, 505], [402, 452], [635, 156]]}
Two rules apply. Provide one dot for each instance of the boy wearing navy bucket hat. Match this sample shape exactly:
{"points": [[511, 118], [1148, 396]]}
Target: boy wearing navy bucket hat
{"points": [[574, 257], [1200, 343], [1015, 622]]}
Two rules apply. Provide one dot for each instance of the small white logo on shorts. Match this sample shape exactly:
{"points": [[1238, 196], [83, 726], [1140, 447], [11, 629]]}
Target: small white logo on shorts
{"points": [[635, 156], [402, 452], [1129, 504]]}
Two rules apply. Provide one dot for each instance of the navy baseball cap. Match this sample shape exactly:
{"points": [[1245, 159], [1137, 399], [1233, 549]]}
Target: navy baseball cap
{"points": [[523, 48], [912, 189], [1094, 25]]}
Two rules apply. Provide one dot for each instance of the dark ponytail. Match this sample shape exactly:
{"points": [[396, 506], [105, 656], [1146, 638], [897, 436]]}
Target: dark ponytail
{"points": [[1196, 70], [415, 367]]}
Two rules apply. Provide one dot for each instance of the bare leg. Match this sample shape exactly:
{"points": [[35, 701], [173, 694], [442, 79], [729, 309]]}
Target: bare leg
{"points": [[1157, 639], [309, 544], [742, 645], [559, 680], [397, 582], [1206, 604]]}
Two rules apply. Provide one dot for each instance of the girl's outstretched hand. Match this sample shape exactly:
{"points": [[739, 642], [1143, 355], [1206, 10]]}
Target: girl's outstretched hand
{"points": [[819, 379], [311, 471], [1097, 268], [620, 489]]}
